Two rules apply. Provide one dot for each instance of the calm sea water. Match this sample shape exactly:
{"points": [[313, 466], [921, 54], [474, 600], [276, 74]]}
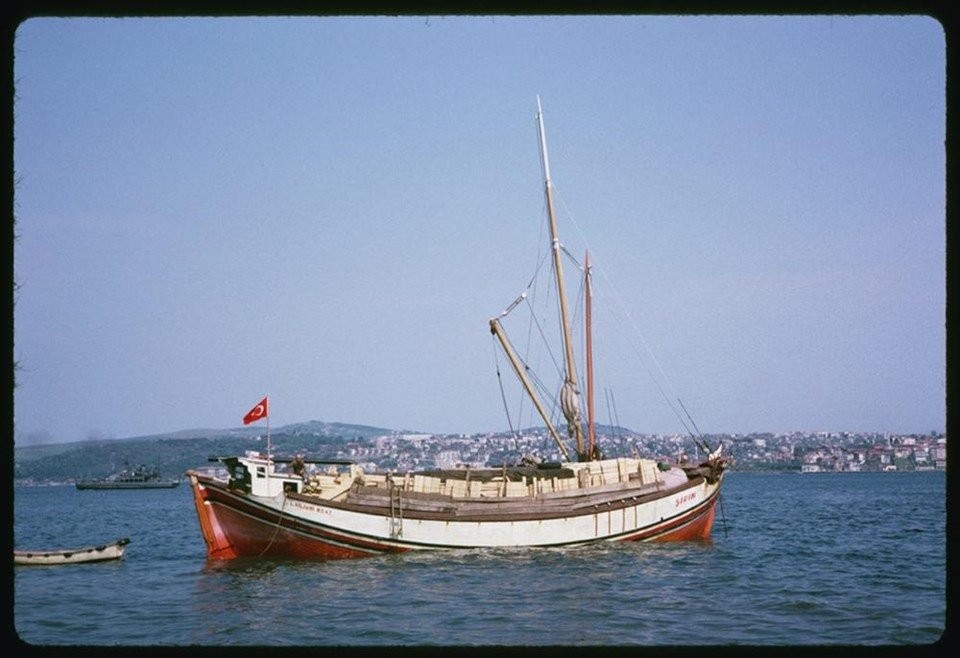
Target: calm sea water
{"points": [[812, 559]]}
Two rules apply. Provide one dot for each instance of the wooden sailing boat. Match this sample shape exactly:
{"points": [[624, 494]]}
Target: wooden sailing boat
{"points": [[289, 508]]}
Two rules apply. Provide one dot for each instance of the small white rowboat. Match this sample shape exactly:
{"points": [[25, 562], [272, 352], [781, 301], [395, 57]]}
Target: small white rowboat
{"points": [[113, 551]]}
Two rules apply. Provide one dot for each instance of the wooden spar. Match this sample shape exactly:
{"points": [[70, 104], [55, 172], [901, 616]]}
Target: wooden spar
{"points": [[497, 331], [588, 302], [570, 383]]}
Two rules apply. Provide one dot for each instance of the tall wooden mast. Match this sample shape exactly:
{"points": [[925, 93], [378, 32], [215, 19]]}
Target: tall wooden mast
{"points": [[569, 394], [588, 329]]}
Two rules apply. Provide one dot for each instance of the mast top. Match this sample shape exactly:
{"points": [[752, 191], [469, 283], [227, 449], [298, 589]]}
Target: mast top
{"points": [[543, 145]]}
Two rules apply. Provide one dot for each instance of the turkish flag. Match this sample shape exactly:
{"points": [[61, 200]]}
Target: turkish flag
{"points": [[258, 412]]}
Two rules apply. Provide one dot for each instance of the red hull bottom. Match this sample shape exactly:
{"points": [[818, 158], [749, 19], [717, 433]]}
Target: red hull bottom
{"points": [[250, 537], [698, 529]]}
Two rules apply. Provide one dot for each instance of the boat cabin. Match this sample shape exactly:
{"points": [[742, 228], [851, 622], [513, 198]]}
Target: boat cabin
{"points": [[256, 474]]}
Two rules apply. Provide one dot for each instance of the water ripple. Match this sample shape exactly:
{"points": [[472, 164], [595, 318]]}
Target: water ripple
{"points": [[834, 560]]}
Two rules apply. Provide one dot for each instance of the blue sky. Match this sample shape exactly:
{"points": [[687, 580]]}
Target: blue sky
{"points": [[329, 210]]}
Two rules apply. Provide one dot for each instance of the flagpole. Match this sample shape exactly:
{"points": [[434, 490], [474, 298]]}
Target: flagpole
{"points": [[269, 456]]}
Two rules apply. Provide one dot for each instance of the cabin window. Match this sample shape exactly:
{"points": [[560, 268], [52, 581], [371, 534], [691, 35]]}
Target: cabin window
{"points": [[261, 472], [289, 487], [239, 477]]}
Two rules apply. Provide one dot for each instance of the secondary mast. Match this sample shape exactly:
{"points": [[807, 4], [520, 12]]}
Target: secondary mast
{"points": [[569, 394], [588, 314]]}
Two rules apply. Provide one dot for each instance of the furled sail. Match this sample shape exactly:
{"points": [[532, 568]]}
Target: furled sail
{"points": [[570, 405]]}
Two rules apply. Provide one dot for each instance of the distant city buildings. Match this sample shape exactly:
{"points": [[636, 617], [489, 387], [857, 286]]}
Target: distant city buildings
{"points": [[796, 452], [808, 452], [894, 453]]}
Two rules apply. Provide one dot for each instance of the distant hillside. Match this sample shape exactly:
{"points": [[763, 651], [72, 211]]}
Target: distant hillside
{"points": [[347, 431], [176, 452]]}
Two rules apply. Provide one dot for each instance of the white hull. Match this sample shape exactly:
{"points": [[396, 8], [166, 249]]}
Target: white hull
{"points": [[362, 520]]}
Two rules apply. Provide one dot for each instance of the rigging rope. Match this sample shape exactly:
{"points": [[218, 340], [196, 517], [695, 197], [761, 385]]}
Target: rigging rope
{"points": [[612, 405], [698, 440], [723, 516], [633, 326], [546, 342], [503, 395], [660, 382], [276, 530]]}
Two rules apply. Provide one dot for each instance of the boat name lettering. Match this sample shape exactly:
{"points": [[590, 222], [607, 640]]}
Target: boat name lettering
{"points": [[685, 498], [309, 507]]}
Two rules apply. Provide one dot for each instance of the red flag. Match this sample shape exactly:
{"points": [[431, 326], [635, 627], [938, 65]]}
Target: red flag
{"points": [[258, 412]]}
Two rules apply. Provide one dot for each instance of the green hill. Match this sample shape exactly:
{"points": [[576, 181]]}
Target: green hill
{"points": [[177, 452]]}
